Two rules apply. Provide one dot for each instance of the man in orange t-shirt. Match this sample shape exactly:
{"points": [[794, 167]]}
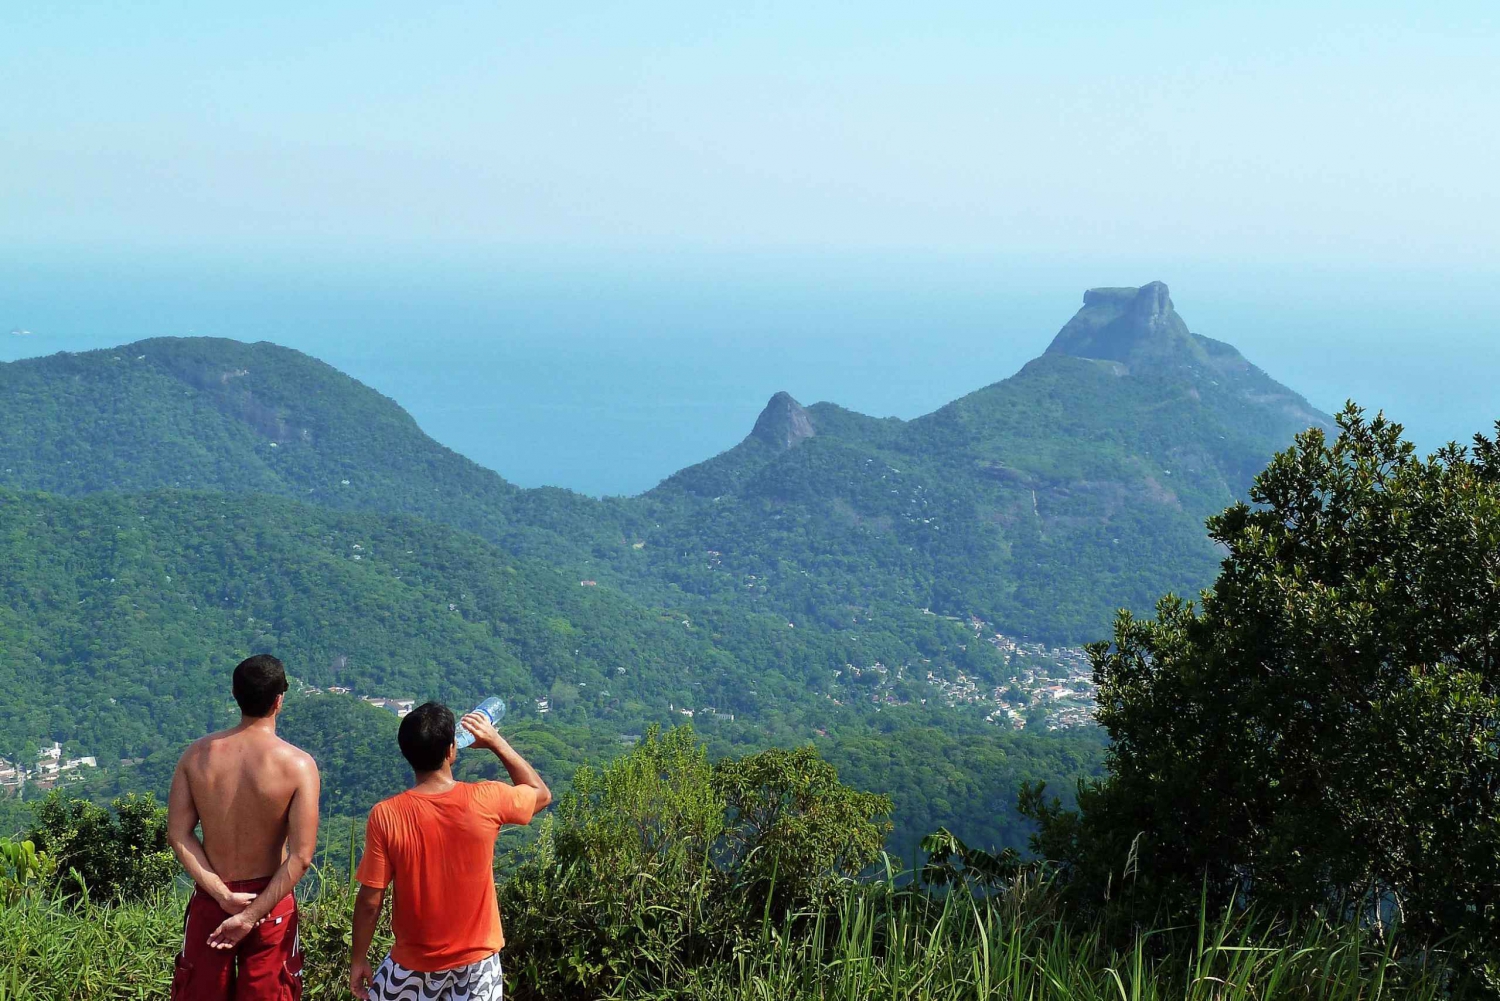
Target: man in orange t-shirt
{"points": [[436, 844]]}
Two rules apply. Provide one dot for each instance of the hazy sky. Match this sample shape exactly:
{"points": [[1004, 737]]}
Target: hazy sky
{"points": [[584, 243], [1276, 130]]}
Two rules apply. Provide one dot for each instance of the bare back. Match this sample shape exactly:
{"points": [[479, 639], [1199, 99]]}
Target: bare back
{"points": [[243, 786]]}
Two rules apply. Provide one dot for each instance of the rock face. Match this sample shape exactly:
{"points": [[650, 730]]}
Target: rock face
{"points": [[783, 423], [1045, 501], [1139, 332], [1134, 326]]}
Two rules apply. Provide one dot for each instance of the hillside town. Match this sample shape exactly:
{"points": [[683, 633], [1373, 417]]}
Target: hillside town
{"points": [[1055, 683], [1051, 687], [398, 706], [1047, 687], [50, 768]]}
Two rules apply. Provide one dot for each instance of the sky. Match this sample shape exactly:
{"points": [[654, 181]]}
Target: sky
{"points": [[585, 245]]}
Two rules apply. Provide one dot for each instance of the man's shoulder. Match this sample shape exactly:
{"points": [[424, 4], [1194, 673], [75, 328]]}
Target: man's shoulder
{"points": [[206, 741], [484, 788], [492, 793], [294, 758], [199, 748], [389, 805]]}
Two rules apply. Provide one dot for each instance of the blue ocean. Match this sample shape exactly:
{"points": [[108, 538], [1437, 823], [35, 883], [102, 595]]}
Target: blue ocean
{"points": [[606, 373]]}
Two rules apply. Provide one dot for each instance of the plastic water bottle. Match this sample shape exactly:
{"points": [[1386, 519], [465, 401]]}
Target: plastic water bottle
{"points": [[493, 709]]}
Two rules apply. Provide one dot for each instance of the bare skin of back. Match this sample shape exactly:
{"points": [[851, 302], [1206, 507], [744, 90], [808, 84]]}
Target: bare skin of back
{"points": [[256, 797]]}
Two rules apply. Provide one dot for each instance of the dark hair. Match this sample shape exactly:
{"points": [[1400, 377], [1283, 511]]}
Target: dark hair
{"points": [[257, 682], [425, 736]]}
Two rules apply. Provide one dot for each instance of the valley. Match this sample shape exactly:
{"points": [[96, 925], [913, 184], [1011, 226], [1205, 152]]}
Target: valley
{"points": [[173, 504]]}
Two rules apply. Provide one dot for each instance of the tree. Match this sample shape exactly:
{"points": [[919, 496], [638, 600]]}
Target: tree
{"points": [[124, 855], [619, 878], [1322, 732], [659, 863], [793, 828]]}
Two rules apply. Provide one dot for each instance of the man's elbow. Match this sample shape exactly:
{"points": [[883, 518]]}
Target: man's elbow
{"points": [[179, 847], [298, 861], [543, 797], [368, 901], [180, 827]]}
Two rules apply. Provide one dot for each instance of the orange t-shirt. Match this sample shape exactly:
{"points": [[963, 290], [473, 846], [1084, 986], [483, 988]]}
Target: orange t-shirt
{"points": [[440, 853]]}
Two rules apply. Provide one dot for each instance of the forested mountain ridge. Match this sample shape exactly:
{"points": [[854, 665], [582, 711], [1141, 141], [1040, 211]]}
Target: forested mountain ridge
{"points": [[1040, 503], [218, 414], [121, 616]]}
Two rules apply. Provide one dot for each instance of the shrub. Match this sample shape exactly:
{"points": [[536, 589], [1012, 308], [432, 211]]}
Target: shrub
{"points": [[22, 869], [106, 855], [1324, 733], [793, 831], [618, 880], [660, 864]]}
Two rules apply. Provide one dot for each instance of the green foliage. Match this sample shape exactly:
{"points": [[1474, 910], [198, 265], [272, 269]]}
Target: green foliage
{"points": [[119, 855], [1334, 706], [873, 945], [950, 862], [652, 810], [794, 831], [940, 772], [15, 816], [879, 945], [620, 875], [122, 617], [56, 949], [22, 869], [660, 863]]}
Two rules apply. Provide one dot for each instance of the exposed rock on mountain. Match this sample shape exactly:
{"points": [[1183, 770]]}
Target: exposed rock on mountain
{"points": [[783, 423], [1040, 503]]}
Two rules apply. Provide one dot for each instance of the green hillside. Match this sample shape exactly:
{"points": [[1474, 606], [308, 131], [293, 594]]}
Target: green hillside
{"points": [[221, 415], [1040, 503], [121, 616]]}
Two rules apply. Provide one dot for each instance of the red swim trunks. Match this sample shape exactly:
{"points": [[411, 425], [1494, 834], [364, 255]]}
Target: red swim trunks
{"points": [[266, 966]]}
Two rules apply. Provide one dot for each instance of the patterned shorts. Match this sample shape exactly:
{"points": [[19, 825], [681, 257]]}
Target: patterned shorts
{"points": [[479, 981]]}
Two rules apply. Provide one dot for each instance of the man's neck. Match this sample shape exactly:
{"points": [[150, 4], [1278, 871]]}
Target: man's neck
{"points": [[431, 783], [265, 724]]}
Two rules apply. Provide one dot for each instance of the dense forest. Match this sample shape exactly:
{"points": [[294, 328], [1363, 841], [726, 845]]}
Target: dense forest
{"points": [[172, 505], [122, 616], [1041, 503], [813, 598]]}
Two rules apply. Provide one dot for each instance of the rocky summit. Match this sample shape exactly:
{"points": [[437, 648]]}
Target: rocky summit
{"points": [[783, 423], [1130, 325], [1040, 503]]}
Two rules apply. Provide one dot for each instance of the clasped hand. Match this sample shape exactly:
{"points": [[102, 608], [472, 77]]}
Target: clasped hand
{"points": [[233, 929]]}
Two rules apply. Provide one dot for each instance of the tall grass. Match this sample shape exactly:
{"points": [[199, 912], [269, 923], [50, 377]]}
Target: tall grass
{"points": [[877, 943], [965, 948], [56, 949]]}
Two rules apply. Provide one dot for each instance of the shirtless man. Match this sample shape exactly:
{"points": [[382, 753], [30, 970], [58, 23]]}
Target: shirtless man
{"points": [[257, 799]]}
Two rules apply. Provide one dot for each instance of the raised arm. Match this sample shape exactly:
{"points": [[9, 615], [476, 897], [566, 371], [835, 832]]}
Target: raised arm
{"points": [[182, 834], [301, 843], [521, 772]]}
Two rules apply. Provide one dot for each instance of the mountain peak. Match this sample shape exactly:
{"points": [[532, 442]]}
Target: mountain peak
{"points": [[783, 423], [1136, 326]]}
